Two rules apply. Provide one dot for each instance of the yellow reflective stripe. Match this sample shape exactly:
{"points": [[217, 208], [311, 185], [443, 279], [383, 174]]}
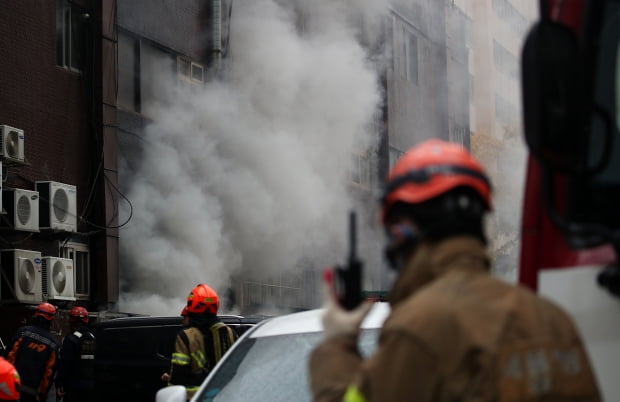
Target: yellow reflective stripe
{"points": [[180, 359], [192, 389], [353, 395], [200, 358]]}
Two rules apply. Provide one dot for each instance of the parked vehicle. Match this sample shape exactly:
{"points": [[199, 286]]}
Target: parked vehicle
{"points": [[132, 353], [270, 361]]}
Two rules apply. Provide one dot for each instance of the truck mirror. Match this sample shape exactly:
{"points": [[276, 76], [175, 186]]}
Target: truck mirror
{"points": [[552, 89]]}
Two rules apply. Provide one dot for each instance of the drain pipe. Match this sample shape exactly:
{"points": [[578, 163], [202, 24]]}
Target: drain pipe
{"points": [[216, 24]]}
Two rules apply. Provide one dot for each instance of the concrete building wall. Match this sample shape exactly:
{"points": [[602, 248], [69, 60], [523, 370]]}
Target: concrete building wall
{"points": [[417, 103], [181, 25], [498, 29]]}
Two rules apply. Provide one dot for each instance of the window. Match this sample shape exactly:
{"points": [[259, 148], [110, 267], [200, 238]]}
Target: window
{"points": [[184, 66], [505, 61], [359, 171], [72, 33], [128, 73], [79, 253], [197, 72], [157, 65], [190, 71], [507, 12], [410, 51]]}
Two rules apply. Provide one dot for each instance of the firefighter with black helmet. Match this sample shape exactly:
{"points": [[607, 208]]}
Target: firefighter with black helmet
{"points": [[455, 332], [33, 351], [76, 371], [199, 346]]}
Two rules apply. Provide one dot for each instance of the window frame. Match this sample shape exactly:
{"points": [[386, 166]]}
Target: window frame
{"points": [[361, 160], [70, 250], [65, 28], [191, 67]]}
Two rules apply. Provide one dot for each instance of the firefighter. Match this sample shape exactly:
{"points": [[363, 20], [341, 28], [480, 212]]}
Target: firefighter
{"points": [[166, 376], [76, 371], [200, 345], [33, 351], [454, 332], [9, 381]]}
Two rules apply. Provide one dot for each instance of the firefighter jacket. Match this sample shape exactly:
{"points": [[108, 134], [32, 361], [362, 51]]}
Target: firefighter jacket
{"points": [[197, 350], [76, 363], [456, 333], [33, 351]]}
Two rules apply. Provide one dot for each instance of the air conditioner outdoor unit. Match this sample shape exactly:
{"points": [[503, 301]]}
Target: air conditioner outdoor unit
{"points": [[58, 279], [21, 275], [57, 206], [22, 209], [12, 143]]}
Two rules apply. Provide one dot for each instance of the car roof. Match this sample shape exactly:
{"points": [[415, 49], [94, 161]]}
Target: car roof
{"points": [[310, 321], [142, 321]]}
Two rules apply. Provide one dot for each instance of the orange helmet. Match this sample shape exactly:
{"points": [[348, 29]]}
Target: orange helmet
{"points": [[431, 169], [46, 311], [9, 381], [203, 299], [78, 314]]}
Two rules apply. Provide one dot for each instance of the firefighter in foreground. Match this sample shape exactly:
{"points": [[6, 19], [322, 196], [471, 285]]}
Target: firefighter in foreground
{"points": [[75, 379], [199, 346], [9, 381], [455, 332], [33, 351]]}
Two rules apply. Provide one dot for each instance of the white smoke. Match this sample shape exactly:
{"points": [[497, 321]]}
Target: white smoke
{"points": [[249, 173]]}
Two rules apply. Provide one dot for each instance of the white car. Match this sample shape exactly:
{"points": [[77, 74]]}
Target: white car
{"points": [[270, 361]]}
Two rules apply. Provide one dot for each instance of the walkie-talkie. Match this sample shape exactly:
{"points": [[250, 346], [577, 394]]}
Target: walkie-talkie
{"points": [[348, 278]]}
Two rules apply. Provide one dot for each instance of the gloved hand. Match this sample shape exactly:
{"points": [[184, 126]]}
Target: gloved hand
{"points": [[336, 320]]}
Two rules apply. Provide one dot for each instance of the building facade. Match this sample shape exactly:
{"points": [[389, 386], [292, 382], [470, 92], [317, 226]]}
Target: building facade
{"points": [[79, 87], [57, 97], [496, 30]]}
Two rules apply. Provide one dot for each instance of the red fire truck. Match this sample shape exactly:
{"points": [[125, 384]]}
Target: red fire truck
{"points": [[571, 211]]}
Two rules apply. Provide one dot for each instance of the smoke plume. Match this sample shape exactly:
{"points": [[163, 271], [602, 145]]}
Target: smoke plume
{"points": [[248, 173]]}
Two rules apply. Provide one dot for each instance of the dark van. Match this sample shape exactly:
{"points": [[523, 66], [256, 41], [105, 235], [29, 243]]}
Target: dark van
{"points": [[132, 353]]}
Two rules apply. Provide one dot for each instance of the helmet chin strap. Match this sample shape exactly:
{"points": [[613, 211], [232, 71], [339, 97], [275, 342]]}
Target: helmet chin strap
{"points": [[402, 239]]}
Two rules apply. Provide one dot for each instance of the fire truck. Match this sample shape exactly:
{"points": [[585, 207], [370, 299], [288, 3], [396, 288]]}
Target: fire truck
{"points": [[571, 206]]}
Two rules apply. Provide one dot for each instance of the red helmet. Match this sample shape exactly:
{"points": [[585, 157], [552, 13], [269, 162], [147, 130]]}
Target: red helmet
{"points": [[46, 311], [78, 314], [9, 381], [203, 299], [184, 311], [431, 169]]}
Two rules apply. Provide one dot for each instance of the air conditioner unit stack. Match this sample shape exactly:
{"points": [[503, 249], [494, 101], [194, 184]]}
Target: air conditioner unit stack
{"points": [[58, 278], [11, 143], [21, 276], [22, 209], [57, 206]]}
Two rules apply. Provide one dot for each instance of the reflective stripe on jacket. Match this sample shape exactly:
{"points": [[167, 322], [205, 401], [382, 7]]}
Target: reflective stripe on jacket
{"points": [[456, 333], [76, 364]]}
